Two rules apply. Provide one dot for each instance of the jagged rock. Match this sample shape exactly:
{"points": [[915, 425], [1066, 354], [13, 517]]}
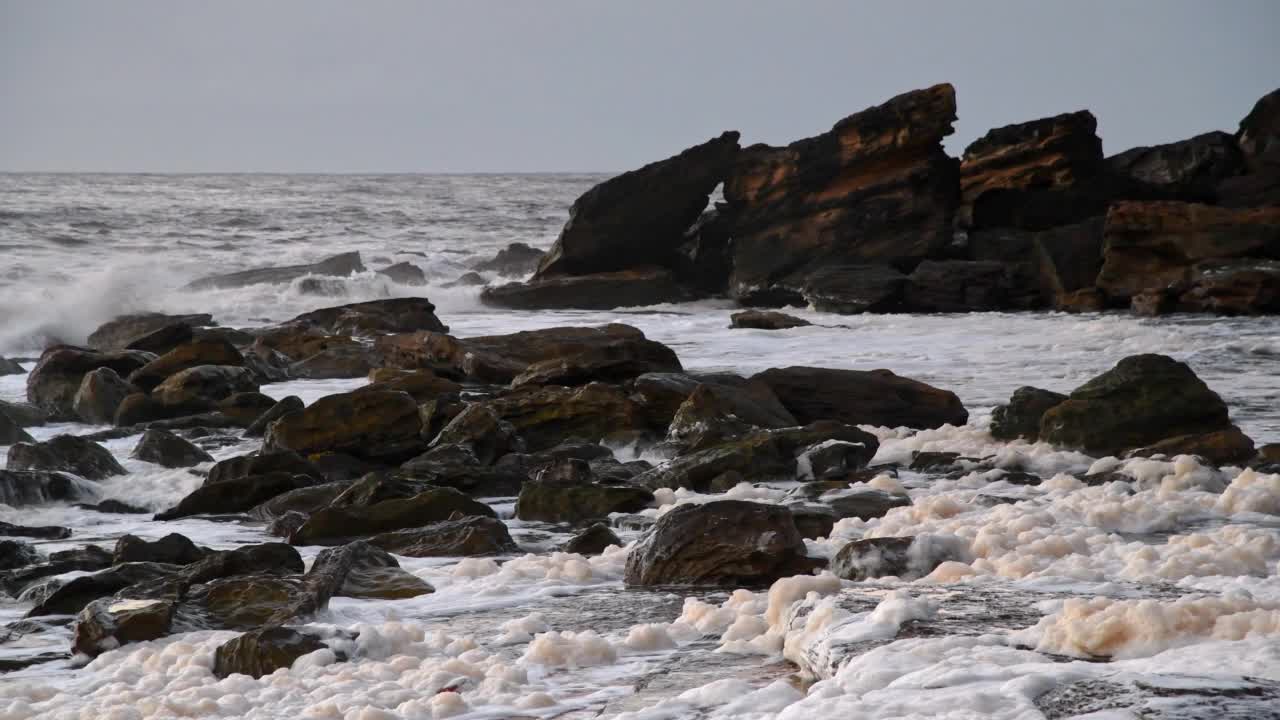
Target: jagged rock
{"points": [[341, 265], [1189, 168], [46, 532], [479, 429], [1156, 245], [592, 541], [637, 287], [547, 416], [204, 385], [168, 450], [466, 537], [377, 426], [515, 260], [639, 218], [878, 188], [31, 487], [11, 432], [261, 463], [125, 330], [262, 652], [1259, 134], [375, 317], [172, 549], [101, 392], [213, 351], [10, 367], [556, 498], [704, 261], [55, 380], [338, 522], [290, 404], [1050, 153], [1221, 447], [719, 411], [423, 385], [904, 557], [404, 273], [1020, 418], [23, 414], [858, 397], [16, 554], [235, 495], [67, 453], [726, 542], [765, 320], [1142, 400]]}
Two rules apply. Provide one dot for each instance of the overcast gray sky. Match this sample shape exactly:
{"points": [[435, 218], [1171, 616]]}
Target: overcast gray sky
{"points": [[565, 85]]}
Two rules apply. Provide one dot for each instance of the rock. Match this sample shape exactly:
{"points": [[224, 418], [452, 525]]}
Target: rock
{"points": [[555, 500], [114, 506], [423, 385], [436, 414], [660, 395], [214, 351], [19, 487], [1259, 134], [204, 385], [261, 463], [367, 571], [16, 554], [637, 287], [864, 504], [1191, 168], [725, 542], [276, 348], [479, 429], [593, 540], [878, 188], [716, 412], [471, 279], [1221, 447], [547, 416], [1155, 245], [836, 458], [262, 652], [1050, 153], [290, 404], [904, 557], [852, 289], [335, 363], [1084, 300], [46, 532], [613, 363], [67, 453], [959, 286], [1256, 189], [465, 537], [765, 320], [163, 448], [1020, 418], [172, 549], [139, 408], [337, 266], [639, 218], [100, 394], [90, 558], [1233, 287], [106, 624], [56, 378], [23, 414], [164, 339], [337, 522], [857, 397], [10, 367], [375, 317], [704, 260], [1067, 259], [377, 426], [1142, 400], [515, 260], [302, 501], [813, 521], [245, 407], [404, 273], [125, 330], [11, 432], [233, 496], [78, 592]]}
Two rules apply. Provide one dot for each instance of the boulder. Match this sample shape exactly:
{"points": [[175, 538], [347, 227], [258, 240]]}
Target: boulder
{"points": [[245, 407], [636, 287], [904, 557], [10, 367], [464, 537], [554, 498], [862, 397], [959, 286], [56, 378], [33, 487], [16, 554], [836, 458], [172, 549], [423, 385], [125, 330], [45, 532], [71, 597], [479, 429], [612, 363], [276, 348], [23, 414], [725, 542], [362, 570], [100, 394], [1255, 189], [11, 432], [1142, 400], [1189, 169], [765, 320], [1221, 447], [339, 522], [262, 652], [233, 496], [877, 188], [639, 218], [853, 289], [351, 361], [716, 412], [67, 453], [303, 501], [1050, 153], [375, 317], [341, 265], [593, 540], [163, 448], [515, 260], [204, 385], [1232, 287], [261, 463], [547, 416], [863, 504], [164, 339], [1020, 417], [704, 261], [290, 404], [470, 279], [1067, 260], [107, 624], [213, 351], [404, 273], [378, 426], [90, 558]]}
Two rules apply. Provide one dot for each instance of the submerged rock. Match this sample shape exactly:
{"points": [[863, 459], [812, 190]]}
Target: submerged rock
{"points": [[339, 522], [904, 557], [765, 320], [31, 487], [858, 397], [637, 287], [339, 265], [68, 453], [404, 273], [464, 537], [262, 652], [168, 450], [593, 540]]}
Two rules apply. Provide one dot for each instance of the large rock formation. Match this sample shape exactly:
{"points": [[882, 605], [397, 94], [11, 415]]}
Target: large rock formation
{"points": [[56, 378], [877, 188], [1189, 169]]}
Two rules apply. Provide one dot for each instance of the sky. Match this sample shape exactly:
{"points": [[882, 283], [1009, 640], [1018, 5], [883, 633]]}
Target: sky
{"points": [[577, 85]]}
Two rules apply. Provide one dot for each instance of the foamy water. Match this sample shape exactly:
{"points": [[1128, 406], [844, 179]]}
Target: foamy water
{"points": [[1172, 577]]}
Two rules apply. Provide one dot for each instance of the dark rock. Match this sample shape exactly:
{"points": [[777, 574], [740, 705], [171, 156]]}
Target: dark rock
{"points": [[593, 540], [765, 320], [23, 414], [1259, 133], [366, 571], [959, 286], [67, 453], [114, 506], [471, 279], [106, 624], [16, 554], [852, 289], [55, 380], [215, 351], [262, 652], [878, 188], [903, 557], [1233, 287], [864, 504], [1020, 418], [100, 394], [836, 458], [235, 495], [172, 549], [377, 426], [287, 524], [515, 260], [290, 404], [276, 348], [338, 522], [716, 412], [404, 273], [1256, 189], [19, 487], [304, 501], [1142, 400], [1084, 300], [465, 537], [11, 432], [638, 287], [726, 542], [336, 363], [168, 450], [436, 414], [164, 339], [423, 385], [558, 499], [547, 416], [1221, 447], [1189, 168], [10, 367], [813, 521], [245, 407], [78, 592], [123, 331], [479, 429], [704, 261], [613, 363], [204, 385], [639, 218], [90, 558], [375, 317], [339, 266], [45, 532], [1068, 259], [858, 397]]}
